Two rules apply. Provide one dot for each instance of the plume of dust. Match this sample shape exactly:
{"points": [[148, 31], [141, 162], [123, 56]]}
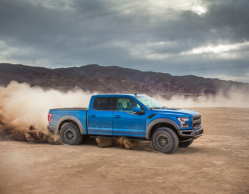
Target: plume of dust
{"points": [[24, 110], [234, 97], [20, 132], [121, 142]]}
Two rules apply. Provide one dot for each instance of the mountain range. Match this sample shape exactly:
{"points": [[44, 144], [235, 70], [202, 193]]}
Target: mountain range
{"points": [[113, 79]]}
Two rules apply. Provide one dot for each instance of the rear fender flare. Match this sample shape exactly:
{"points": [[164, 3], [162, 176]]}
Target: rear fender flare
{"points": [[160, 120], [72, 118]]}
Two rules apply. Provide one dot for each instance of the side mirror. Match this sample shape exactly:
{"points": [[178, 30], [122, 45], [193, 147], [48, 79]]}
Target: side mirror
{"points": [[137, 110]]}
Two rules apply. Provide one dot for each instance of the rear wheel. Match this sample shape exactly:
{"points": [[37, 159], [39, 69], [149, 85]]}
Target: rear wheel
{"points": [[165, 140], [186, 144], [70, 134]]}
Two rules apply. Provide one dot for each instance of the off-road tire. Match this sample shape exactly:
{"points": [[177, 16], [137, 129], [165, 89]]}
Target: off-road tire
{"points": [[165, 140], [185, 144], [70, 134]]}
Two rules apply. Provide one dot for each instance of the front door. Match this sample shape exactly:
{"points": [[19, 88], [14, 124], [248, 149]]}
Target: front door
{"points": [[100, 117], [125, 122]]}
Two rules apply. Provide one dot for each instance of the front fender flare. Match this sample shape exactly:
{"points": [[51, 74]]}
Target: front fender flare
{"points": [[72, 118], [160, 120]]}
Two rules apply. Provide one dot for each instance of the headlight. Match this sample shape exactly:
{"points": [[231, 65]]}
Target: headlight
{"points": [[183, 121]]}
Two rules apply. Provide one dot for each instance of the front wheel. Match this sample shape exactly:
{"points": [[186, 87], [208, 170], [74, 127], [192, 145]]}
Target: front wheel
{"points": [[165, 140], [70, 134]]}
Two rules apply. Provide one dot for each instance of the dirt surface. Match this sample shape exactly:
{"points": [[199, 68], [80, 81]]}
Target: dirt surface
{"points": [[218, 162]]}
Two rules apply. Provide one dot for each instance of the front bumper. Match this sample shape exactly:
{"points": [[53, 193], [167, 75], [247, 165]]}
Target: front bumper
{"points": [[195, 133]]}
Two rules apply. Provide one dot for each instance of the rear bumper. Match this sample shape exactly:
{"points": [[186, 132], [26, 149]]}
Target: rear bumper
{"points": [[52, 128], [195, 133]]}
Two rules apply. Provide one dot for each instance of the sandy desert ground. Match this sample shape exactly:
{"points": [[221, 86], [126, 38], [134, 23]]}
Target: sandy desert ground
{"points": [[218, 162]]}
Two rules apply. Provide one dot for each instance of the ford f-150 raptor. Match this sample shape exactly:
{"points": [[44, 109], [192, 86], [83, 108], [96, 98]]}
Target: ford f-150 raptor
{"points": [[133, 116]]}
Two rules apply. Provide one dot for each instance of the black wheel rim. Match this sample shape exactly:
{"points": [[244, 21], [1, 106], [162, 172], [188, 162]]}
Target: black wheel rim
{"points": [[69, 135], [163, 141]]}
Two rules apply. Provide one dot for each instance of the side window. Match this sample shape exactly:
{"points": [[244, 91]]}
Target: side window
{"points": [[102, 104], [126, 105]]}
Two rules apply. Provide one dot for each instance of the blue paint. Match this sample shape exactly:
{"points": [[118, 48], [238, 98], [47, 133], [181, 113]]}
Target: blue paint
{"points": [[128, 124], [99, 122]]}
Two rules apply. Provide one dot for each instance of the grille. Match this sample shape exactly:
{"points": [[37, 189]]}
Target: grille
{"points": [[196, 121]]}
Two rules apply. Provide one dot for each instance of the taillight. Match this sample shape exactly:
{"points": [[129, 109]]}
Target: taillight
{"points": [[50, 117]]}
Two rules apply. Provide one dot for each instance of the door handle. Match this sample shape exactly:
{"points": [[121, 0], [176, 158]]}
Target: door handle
{"points": [[92, 116], [116, 116]]}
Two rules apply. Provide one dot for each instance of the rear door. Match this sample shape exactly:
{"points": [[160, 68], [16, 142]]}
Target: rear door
{"points": [[125, 122], [100, 117]]}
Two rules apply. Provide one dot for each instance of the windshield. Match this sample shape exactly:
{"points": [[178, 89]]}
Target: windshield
{"points": [[150, 102]]}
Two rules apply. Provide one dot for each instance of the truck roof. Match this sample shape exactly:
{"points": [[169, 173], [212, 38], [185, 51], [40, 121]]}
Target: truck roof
{"points": [[118, 95]]}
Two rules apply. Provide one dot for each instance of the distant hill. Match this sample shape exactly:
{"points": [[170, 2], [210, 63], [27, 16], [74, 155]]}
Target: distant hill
{"points": [[113, 79]]}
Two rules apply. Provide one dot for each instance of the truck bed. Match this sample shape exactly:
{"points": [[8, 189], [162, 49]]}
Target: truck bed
{"points": [[76, 114]]}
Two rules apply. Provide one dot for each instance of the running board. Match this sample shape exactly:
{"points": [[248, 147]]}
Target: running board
{"points": [[117, 137]]}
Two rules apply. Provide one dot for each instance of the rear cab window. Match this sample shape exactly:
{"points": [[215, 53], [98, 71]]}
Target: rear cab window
{"points": [[102, 103]]}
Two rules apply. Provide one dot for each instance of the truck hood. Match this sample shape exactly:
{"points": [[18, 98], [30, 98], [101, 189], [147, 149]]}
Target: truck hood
{"points": [[180, 112]]}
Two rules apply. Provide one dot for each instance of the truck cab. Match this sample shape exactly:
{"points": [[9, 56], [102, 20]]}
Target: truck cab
{"points": [[133, 116]]}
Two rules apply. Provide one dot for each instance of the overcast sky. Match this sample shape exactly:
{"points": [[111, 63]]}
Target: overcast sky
{"points": [[208, 38]]}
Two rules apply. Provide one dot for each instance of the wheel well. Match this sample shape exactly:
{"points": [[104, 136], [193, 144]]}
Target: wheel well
{"points": [[158, 125], [67, 121]]}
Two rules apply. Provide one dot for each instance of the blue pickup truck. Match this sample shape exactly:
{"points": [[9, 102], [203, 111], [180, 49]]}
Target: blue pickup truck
{"points": [[133, 116]]}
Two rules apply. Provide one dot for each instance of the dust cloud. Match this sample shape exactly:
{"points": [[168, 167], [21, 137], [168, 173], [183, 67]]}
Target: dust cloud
{"points": [[121, 142], [20, 132], [24, 109], [234, 97]]}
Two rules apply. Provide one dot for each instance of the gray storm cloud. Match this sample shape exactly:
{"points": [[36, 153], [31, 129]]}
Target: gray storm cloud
{"points": [[207, 38]]}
